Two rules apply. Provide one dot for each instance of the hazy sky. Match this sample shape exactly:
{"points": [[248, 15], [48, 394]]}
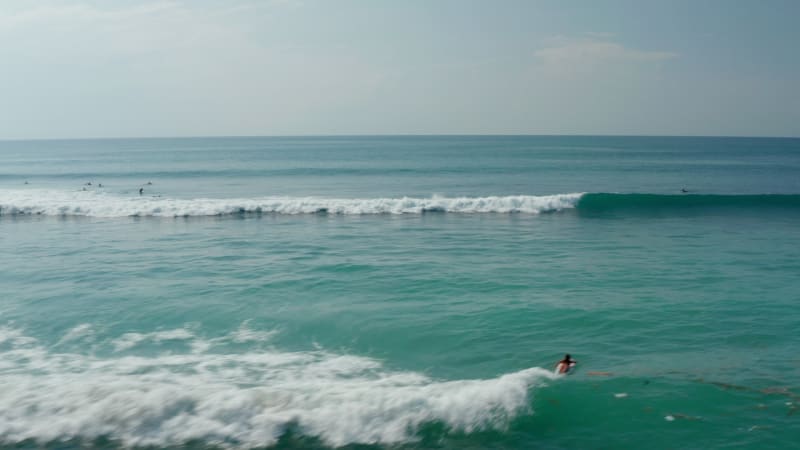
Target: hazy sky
{"points": [[114, 68]]}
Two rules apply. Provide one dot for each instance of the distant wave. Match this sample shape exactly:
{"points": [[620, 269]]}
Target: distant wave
{"points": [[232, 399], [259, 172], [99, 204], [93, 204]]}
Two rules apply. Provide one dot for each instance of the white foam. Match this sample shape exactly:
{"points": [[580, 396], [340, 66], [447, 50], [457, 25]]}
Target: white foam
{"points": [[101, 204], [247, 334], [243, 400], [129, 340], [15, 337], [82, 331]]}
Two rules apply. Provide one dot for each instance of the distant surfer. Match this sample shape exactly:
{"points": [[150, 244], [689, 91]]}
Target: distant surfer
{"points": [[141, 191], [684, 190], [565, 364]]}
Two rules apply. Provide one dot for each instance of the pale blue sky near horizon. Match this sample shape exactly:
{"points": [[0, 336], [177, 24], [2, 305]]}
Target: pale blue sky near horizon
{"points": [[149, 68]]}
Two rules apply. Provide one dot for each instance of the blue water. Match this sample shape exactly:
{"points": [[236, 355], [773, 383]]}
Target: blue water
{"points": [[402, 292]]}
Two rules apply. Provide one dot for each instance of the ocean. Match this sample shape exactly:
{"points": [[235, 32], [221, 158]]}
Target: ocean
{"points": [[400, 292]]}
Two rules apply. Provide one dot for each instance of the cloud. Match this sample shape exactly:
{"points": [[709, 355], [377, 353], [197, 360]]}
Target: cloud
{"points": [[563, 55]]}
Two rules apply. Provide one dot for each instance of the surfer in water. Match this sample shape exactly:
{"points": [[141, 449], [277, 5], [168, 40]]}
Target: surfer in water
{"points": [[565, 364]]}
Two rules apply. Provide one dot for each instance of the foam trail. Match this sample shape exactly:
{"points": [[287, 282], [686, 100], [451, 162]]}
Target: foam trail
{"points": [[236, 400], [100, 204]]}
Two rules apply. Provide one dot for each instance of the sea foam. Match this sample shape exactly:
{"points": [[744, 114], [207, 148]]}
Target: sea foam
{"points": [[99, 204], [235, 399]]}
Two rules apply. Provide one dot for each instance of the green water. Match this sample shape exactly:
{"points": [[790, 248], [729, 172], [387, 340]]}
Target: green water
{"points": [[364, 325]]}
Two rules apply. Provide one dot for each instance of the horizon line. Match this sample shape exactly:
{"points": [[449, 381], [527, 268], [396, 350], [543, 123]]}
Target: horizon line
{"points": [[256, 136]]}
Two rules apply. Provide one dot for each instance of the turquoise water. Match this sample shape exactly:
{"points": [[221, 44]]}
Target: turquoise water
{"points": [[400, 292]]}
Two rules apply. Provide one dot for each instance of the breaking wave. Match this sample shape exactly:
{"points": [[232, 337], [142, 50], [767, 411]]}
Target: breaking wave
{"points": [[94, 204], [242, 399], [100, 204]]}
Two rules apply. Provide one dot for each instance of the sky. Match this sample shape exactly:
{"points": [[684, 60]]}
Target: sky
{"points": [[151, 68]]}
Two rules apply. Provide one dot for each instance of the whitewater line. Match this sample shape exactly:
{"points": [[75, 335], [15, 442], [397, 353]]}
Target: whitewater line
{"points": [[93, 204]]}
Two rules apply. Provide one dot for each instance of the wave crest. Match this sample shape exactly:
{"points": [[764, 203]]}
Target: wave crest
{"points": [[100, 204], [651, 202]]}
